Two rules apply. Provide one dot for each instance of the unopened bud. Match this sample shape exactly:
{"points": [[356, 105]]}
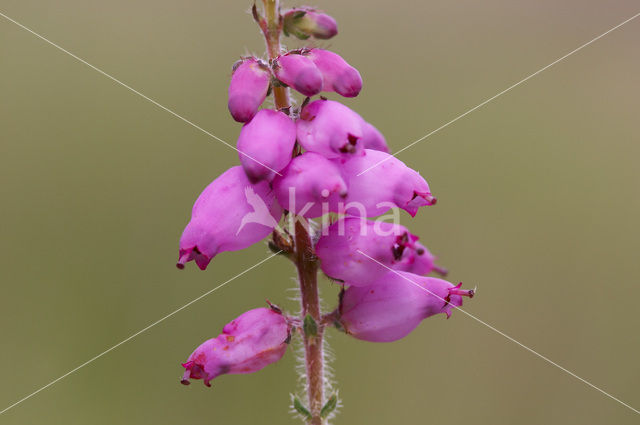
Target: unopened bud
{"points": [[248, 89], [306, 22]]}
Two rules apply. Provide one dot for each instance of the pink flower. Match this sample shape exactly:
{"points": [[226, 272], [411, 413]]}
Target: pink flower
{"points": [[331, 129], [418, 260], [266, 141], [373, 139], [305, 22], [337, 74], [298, 71], [247, 344], [378, 181], [393, 306], [339, 250], [309, 185], [229, 215], [248, 89]]}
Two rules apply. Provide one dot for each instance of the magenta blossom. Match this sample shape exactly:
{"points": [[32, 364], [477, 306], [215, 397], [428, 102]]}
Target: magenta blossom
{"points": [[309, 185], [248, 89], [337, 74], [394, 305], [305, 22], [314, 158], [341, 248], [331, 129], [266, 141], [247, 344], [378, 181], [230, 214], [298, 71], [419, 260], [373, 139]]}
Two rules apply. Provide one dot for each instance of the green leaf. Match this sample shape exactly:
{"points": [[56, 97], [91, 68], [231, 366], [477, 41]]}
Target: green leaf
{"points": [[300, 408], [298, 15], [301, 35], [329, 406], [310, 326]]}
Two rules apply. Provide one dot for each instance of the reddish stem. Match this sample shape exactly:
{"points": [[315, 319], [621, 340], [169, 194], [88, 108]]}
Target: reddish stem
{"points": [[304, 255], [314, 357], [272, 28]]}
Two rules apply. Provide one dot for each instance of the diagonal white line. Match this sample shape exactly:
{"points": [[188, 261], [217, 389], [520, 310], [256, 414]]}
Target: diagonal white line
{"points": [[256, 265], [109, 76], [503, 92], [136, 334], [532, 351]]}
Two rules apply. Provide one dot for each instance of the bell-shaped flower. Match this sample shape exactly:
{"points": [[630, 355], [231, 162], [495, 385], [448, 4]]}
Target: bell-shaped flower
{"points": [[337, 74], [248, 89], [254, 340], [378, 181], [265, 144], [305, 22], [310, 186], [419, 260], [344, 248], [229, 215], [330, 129], [393, 306], [298, 71]]}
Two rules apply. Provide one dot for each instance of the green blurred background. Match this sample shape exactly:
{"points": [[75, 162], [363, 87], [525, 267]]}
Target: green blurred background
{"points": [[538, 206]]}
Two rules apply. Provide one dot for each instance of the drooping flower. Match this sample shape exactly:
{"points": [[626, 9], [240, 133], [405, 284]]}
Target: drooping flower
{"points": [[337, 74], [345, 246], [331, 129], [305, 22], [247, 344], [230, 214], [373, 139], [248, 89], [378, 181], [298, 71], [419, 260], [394, 305], [266, 141], [310, 185]]}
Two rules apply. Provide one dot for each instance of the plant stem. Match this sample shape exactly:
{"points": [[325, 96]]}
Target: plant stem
{"points": [[313, 354], [304, 255], [272, 30]]}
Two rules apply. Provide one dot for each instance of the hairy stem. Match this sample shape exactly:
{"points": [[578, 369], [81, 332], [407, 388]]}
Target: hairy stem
{"points": [[313, 354], [272, 28], [304, 255]]}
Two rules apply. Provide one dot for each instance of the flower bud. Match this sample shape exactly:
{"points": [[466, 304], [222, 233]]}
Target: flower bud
{"points": [[373, 139], [298, 71], [309, 185], [254, 340], [393, 306], [337, 74], [342, 245], [331, 129], [378, 181], [248, 89], [306, 22], [265, 144], [229, 215]]}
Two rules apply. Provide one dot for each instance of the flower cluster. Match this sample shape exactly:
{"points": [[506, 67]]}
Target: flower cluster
{"points": [[317, 160]]}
